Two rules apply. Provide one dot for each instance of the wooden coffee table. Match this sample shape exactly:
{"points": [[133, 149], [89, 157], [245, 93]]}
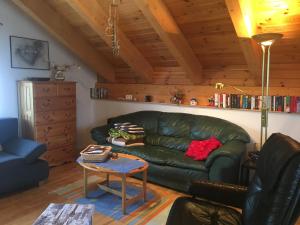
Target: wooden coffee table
{"points": [[104, 185]]}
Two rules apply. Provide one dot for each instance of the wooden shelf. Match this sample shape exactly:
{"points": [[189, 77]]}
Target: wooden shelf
{"points": [[186, 105], [161, 94]]}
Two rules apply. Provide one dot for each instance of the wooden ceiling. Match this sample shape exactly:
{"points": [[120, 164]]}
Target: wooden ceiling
{"points": [[178, 41]]}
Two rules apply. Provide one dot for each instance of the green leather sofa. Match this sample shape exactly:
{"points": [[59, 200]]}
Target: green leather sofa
{"points": [[168, 136]]}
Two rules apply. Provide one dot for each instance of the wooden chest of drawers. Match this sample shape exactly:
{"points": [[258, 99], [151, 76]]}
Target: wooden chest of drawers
{"points": [[48, 115]]}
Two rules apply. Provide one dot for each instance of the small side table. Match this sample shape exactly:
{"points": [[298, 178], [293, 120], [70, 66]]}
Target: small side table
{"points": [[74, 214], [246, 167]]}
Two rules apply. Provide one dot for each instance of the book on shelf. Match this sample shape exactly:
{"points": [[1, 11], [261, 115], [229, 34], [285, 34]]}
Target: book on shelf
{"points": [[298, 104], [254, 102]]}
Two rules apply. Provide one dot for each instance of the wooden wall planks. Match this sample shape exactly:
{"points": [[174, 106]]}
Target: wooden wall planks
{"points": [[162, 93], [281, 75]]}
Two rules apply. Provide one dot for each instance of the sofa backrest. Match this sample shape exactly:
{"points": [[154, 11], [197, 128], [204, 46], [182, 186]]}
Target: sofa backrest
{"points": [[183, 125], [274, 195], [8, 129]]}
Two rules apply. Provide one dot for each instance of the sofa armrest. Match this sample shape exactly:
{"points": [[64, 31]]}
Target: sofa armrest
{"points": [[28, 149], [233, 149], [99, 134], [229, 194]]}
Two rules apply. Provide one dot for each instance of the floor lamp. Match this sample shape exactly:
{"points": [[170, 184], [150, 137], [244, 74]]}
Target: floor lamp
{"points": [[265, 41]]}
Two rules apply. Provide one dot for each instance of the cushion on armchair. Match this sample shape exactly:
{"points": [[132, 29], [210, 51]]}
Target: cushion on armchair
{"points": [[28, 149], [8, 129]]}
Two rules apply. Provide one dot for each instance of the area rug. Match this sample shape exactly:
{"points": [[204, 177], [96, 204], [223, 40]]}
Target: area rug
{"points": [[152, 212]]}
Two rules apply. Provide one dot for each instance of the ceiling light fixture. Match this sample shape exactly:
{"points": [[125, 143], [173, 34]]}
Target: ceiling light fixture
{"points": [[112, 27]]}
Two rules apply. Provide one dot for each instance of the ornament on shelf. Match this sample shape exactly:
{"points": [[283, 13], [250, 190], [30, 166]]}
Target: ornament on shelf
{"points": [[57, 71], [177, 97], [193, 102], [211, 101]]}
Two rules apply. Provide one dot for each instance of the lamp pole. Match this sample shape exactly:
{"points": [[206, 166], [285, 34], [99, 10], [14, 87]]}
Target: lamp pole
{"points": [[265, 41]]}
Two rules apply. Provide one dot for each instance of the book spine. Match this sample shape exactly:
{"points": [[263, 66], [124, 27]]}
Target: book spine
{"points": [[252, 102], [276, 103], [229, 101], [288, 104], [260, 102], [224, 101], [249, 102], [216, 99], [294, 104], [298, 104]]}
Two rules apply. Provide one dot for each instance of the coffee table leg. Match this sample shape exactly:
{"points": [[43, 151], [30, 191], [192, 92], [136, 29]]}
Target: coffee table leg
{"points": [[124, 193], [107, 179], [145, 185], [85, 180]]}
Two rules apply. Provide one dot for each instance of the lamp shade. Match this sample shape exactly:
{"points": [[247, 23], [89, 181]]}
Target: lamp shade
{"points": [[267, 39]]}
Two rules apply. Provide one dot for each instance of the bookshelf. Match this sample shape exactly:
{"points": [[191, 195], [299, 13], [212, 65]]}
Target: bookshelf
{"points": [[289, 104], [189, 106], [161, 94]]}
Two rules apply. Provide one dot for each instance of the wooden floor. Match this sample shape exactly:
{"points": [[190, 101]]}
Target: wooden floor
{"points": [[23, 208]]}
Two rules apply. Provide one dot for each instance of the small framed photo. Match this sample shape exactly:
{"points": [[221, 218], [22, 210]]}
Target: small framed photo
{"points": [[27, 53]]}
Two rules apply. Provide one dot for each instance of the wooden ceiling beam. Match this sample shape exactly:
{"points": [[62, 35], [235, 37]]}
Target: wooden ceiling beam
{"points": [[244, 29], [58, 26], [164, 24], [94, 15]]}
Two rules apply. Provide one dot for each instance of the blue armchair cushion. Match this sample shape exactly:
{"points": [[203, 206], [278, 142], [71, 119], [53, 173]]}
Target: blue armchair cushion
{"points": [[28, 149], [10, 160], [8, 129]]}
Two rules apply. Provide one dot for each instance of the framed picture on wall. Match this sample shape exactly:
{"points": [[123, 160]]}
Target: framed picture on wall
{"points": [[27, 53]]}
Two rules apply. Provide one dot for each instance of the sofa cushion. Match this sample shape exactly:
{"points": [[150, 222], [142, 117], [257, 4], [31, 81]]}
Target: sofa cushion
{"points": [[162, 156], [174, 125], [173, 143], [10, 160], [204, 127], [28, 149], [199, 150]]}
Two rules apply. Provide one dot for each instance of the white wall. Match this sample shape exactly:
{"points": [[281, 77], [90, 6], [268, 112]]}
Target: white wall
{"points": [[288, 124], [18, 24]]}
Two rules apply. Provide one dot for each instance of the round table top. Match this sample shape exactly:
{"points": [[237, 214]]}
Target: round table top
{"points": [[94, 167]]}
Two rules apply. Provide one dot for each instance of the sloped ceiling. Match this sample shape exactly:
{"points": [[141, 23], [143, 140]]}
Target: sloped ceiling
{"points": [[209, 28]]}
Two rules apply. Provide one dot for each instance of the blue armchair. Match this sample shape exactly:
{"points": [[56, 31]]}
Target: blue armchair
{"points": [[20, 166]]}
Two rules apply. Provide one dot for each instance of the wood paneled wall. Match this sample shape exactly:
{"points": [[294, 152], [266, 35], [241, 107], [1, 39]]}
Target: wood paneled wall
{"points": [[281, 75], [163, 93]]}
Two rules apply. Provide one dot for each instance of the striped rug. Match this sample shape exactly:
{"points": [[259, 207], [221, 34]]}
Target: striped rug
{"points": [[152, 212]]}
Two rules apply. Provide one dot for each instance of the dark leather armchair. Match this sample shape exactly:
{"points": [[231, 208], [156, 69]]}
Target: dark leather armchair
{"points": [[272, 198]]}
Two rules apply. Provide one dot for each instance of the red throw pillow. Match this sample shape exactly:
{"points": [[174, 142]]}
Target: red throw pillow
{"points": [[199, 150]]}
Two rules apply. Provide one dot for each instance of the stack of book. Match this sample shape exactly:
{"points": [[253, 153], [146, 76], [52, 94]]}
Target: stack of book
{"points": [[254, 102]]}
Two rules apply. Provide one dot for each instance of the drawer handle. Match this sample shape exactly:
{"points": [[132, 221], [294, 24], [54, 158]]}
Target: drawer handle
{"points": [[68, 103], [68, 115], [47, 117], [67, 129], [46, 90], [46, 104], [47, 130]]}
